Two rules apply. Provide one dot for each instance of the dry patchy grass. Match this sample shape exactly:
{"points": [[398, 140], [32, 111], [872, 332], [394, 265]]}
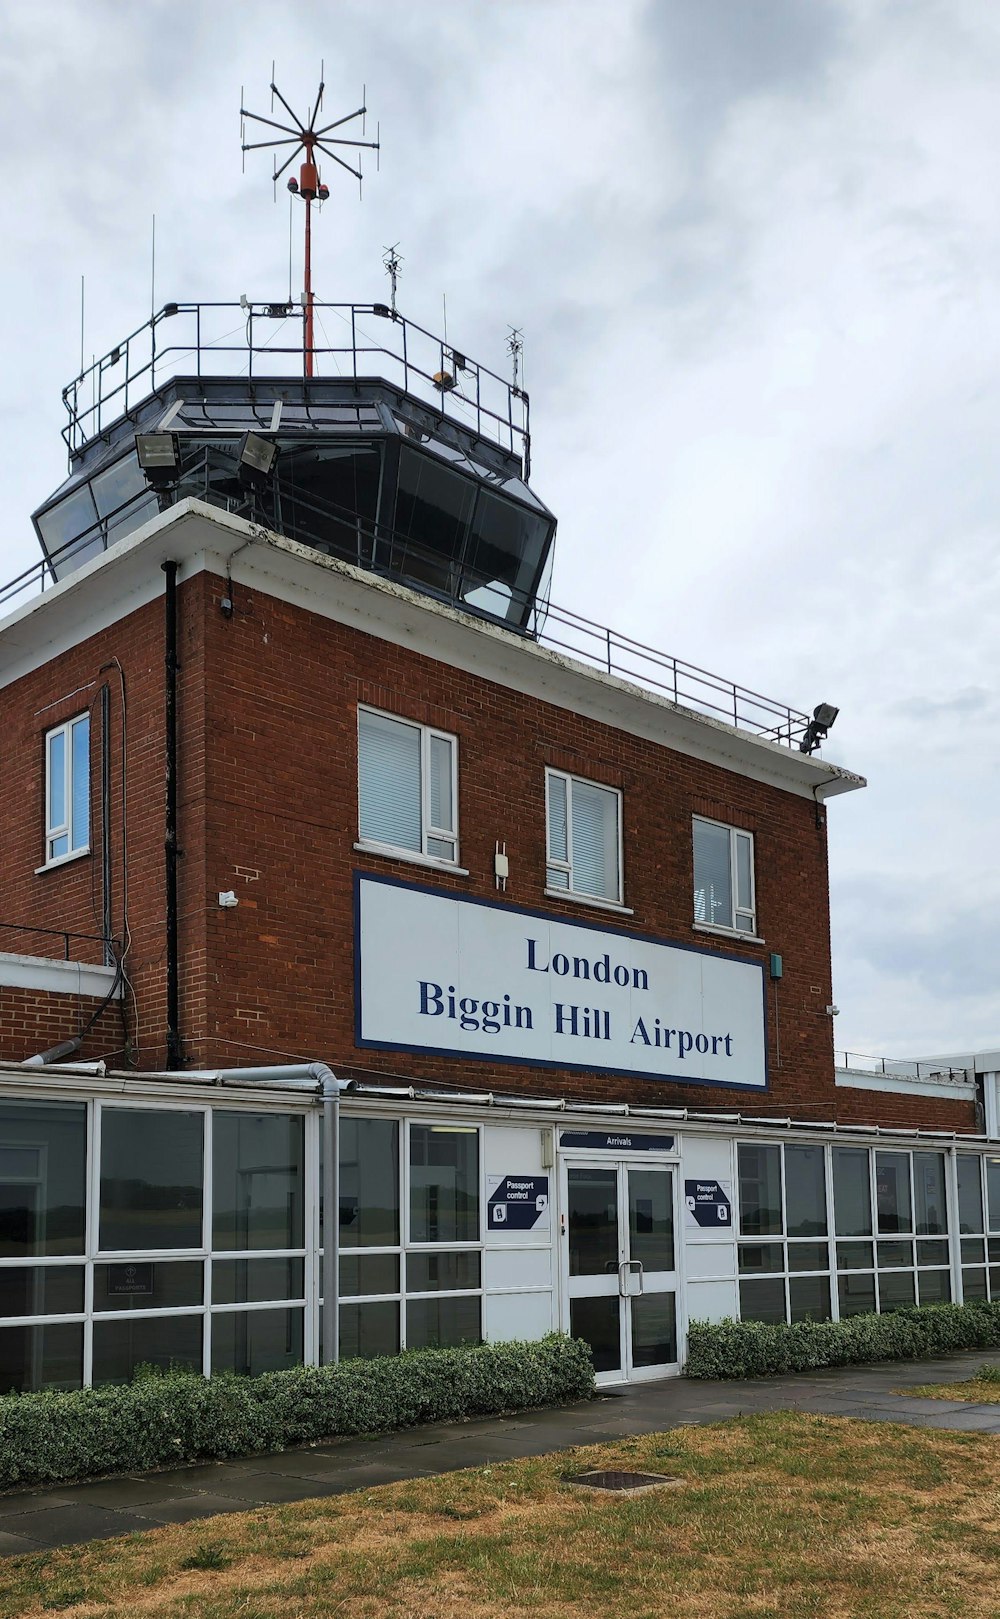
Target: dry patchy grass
{"points": [[781, 1515], [975, 1389]]}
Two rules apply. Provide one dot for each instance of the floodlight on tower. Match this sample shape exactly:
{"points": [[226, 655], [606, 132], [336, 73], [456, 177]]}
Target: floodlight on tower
{"points": [[306, 138]]}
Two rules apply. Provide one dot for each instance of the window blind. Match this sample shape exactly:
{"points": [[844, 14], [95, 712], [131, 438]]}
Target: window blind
{"points": [[389, 781], [595, 841], [713, 889]]}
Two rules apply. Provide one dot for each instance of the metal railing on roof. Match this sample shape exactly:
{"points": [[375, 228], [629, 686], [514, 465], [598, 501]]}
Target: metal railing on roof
{"points": [[376, 549], [10, 932], [199, 340], [899, 1068]]}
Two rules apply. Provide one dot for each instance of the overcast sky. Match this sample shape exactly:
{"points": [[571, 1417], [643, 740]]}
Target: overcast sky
{"points": [[754, 246]]}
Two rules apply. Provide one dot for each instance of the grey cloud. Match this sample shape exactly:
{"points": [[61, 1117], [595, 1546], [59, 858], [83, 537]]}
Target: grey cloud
{"points": [[970, 701]]}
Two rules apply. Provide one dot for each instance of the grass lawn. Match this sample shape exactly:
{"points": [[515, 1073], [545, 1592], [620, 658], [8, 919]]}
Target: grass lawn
{"points": [[982, 1389], [780, 1515]]}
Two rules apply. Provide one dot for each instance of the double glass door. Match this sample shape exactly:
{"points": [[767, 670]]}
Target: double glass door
{"points": [[622, 1268]]}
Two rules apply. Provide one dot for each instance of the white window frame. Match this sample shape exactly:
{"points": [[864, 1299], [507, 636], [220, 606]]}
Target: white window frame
{"points": [[65, 830], [737, 910], [428, 832], [553, 864]]}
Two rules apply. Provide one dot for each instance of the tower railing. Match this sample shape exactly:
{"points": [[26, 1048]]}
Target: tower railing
{"points": [[368, 341]]}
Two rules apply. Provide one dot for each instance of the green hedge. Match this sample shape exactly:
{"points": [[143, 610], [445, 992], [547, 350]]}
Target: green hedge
{"points": [[178, 1417], [727, 1349]]}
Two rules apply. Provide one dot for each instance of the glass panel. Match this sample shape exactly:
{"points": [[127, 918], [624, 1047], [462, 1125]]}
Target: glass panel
{"points": [[252, 1341], [389, 781], [993, 1191], [762, 1256], [595, 841], [58, 846], [369, 1329], [993, 1250], [896, 1289], [507, 547], [41, 1290], [257, 1180], [151, 1179], [49, 1357], [651, 1218], [444, 1183], [809, 1298], [973, 1250], [598, 1323], [970, 1194], [441, 1272], [805, 1191], [762, 1301], [64, 523], [934, 1286], [809, 1256], [433, 511], [994, 1283], [654, 1330], [254, 1281], [760, 1190], [974, 1284], [369, 1273], [148, 1285], [558, 837], [857, 1295], [442, 811], [744, 881], [42, 1178], [892, 1191], [80, 784], [593, 1223], [369, 1183], [892, 1255], [444, 1321], [57, 779], [929, 1193], [933, 1253], [165, 1341], [441, 848], [855, 1256], [713, 895]]}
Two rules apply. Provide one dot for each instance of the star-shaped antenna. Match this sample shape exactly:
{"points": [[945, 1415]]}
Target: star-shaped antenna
{"points": [[307, 138]]}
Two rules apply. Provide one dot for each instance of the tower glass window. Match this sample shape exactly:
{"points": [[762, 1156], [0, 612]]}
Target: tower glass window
{"points": [[724, 877], [583, 837], [67, 789]]}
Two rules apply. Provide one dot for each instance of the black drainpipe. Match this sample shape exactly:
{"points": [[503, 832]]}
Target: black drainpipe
{"points": [[174, 1057]]}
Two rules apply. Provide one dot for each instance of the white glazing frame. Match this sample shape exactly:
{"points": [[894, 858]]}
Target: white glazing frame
{"points": [[64, 829], [553, 863], [428, 832], [203, 1256], [834, 1271], [737, 910], [407, 1245]]}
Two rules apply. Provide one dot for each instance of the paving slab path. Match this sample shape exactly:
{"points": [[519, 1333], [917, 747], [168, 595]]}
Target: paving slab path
{"points": [[37, 1520]]}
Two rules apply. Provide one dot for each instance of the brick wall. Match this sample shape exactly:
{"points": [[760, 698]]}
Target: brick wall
{"points": [[33, 1020], [268, 806]]}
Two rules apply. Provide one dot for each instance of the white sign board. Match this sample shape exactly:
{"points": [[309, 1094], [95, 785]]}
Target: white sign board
{"points": [[468, 978]]}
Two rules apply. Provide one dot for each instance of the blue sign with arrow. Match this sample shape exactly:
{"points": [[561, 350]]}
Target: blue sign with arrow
{"points": [[708, 1204], [518, 1202]]}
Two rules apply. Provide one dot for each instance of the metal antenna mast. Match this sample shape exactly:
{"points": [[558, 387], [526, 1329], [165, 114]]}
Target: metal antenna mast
{"points": [[515, 348], [308, 139], [393, 264]]}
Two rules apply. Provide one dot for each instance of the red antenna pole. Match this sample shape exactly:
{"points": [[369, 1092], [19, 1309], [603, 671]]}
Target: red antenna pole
{"points": [[307, 139]]}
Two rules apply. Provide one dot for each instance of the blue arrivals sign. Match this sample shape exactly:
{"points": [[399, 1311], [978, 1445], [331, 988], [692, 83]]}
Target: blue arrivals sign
{"points": [[517, 1202], [615, 1141], [708, 1204]]}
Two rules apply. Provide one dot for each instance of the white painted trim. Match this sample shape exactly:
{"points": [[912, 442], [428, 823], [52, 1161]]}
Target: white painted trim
{"points": [[201, 537], [56, 977], [735, 934], [956, 1090], [589, 899], [389, 851]]}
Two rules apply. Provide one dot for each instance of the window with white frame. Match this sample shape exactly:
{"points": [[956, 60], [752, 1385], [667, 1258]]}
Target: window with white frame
{"points": [[67, 789], [583, 837], [723, 876], [784, 1254], [407, 786]]}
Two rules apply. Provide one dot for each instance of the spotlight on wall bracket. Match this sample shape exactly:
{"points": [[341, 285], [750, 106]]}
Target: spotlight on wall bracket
{"points": [[824, 715], [256, 459], [159, 458]]}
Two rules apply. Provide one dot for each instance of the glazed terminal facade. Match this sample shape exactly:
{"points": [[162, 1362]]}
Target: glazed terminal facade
{"points": [[563, 935]]}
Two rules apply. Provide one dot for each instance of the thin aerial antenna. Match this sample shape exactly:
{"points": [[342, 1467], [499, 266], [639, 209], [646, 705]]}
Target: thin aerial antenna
{"points": [[289, 247], [308, 139], [393, 264], [444, 316], [515, 348], [83, 285], [152, 272]]}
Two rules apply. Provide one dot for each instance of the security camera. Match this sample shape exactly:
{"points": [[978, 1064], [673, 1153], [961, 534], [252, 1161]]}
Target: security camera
{"points": [[833, 1011]]}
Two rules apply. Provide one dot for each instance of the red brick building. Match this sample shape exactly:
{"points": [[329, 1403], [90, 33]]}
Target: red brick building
{"points": [[299, 770]]}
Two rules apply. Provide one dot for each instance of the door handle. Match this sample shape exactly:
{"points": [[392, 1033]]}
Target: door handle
{"points": [[631, 1268]]}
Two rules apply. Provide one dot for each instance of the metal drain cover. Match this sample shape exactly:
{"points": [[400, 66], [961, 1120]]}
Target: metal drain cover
{"points": [[621, 1483]]}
